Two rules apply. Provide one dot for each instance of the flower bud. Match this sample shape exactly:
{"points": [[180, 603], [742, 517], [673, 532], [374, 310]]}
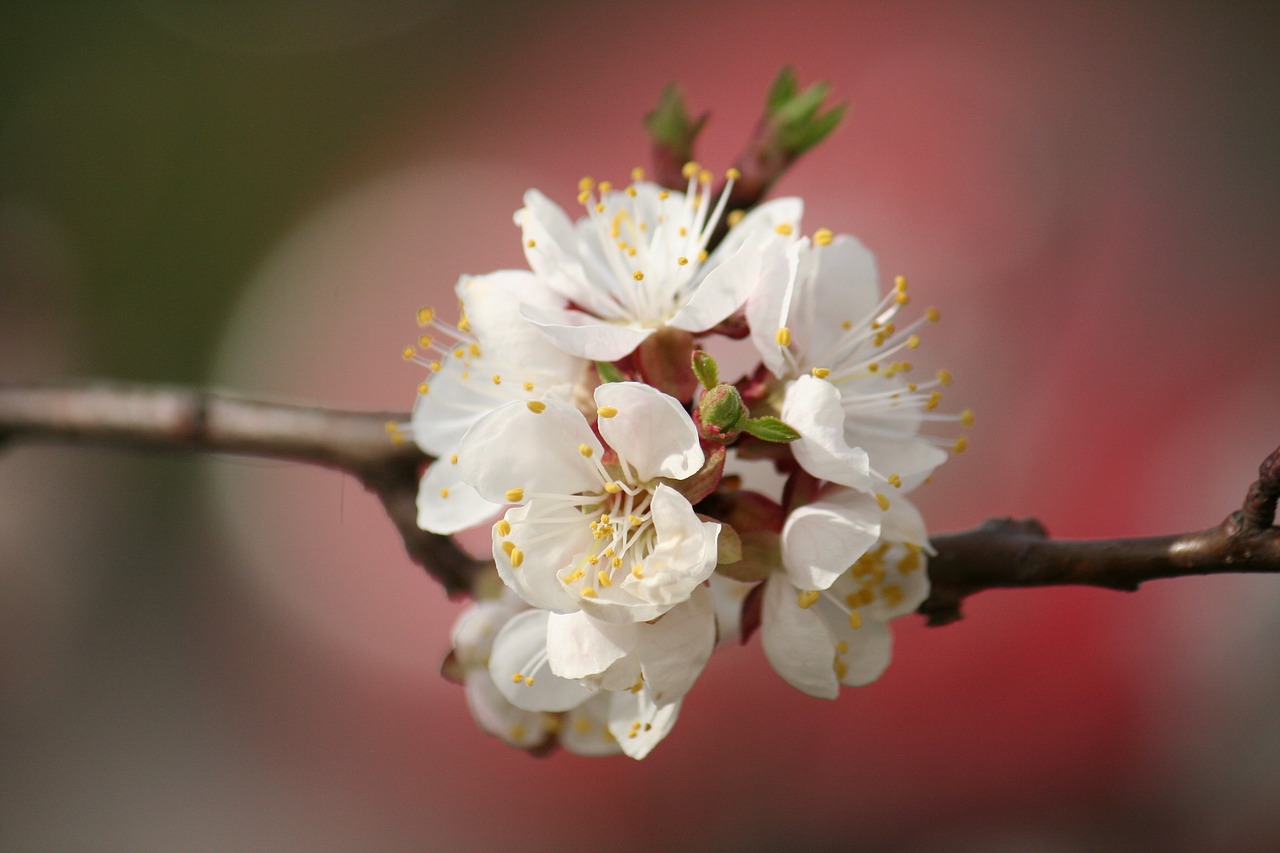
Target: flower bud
{"points": [[721, 414]]}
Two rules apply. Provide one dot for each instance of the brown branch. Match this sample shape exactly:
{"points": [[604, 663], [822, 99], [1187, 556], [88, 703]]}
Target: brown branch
{"points": [[357, 443], [1001, 553]]}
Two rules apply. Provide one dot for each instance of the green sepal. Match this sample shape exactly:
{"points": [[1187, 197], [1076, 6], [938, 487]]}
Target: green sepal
{"points": [[769, 428], [671, 127], [705, 368], [609, 372], [798, 124]]}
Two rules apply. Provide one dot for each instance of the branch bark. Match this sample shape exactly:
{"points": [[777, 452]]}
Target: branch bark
{"points": [[999, 554]]}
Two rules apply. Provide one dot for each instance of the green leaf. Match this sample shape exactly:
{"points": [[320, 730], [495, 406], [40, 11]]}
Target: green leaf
{"points": [[796, 116], [670, 125], [770, 428], [608, 372], [782, 90], [704, 367]]}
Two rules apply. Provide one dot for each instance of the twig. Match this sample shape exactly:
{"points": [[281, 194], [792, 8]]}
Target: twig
{"points": [[1002, 553]]}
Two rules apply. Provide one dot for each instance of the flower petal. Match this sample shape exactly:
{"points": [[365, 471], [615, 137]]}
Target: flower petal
{"points": [[812, 407], [514, 447], [520, 649], [651, 431], [579, 646], [491, 304], [496, 716], [868, 651], [722, 290], [535, 579], [585, 729], [796, 641], [639, 724], [446, 504], [822, 539], [674, 649], [584, 335]]}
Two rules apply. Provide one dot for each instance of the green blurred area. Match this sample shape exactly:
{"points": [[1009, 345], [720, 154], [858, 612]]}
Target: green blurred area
{"points": [[172, 162]]}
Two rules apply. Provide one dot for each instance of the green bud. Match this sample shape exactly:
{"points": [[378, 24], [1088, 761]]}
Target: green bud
{"points": [[721, 414], [608, 372]]}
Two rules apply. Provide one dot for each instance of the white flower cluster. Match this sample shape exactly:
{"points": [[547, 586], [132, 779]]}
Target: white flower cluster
{"points": [[571, 409]]}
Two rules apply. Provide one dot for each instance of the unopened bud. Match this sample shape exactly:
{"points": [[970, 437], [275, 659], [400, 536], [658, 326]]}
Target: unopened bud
{"points": [[721, 414]]}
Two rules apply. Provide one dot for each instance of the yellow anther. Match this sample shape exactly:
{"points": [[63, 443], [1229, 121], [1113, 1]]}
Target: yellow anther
{"points": [[684, 232], [584, 197], [732, 174], [423, 387], [702, 256], [966, 418], [855, 619], [840, 667], [616, 562], [606, 411], [705, 176], [913, 341], [682, 260], [536, 406], [663, 195], [408, 353], [424, 341], [883, 501], [933, 315], [638, 686], [821, 372], [531, 243], [842, 647], [593, 560], [631, 253], [444, 492], [846, 325], [582, 725], [425, 315], [807, 597], [600, 208], [603, 577], [516, 557], [605, 186], [637, 571], [464, 325], [528, 682], [783, 336], [909, 562], [944, 377], [635, 520], [393, 430], [637, 275], [585, 451], [865, 595], [932, 403], [901, 298], [459, 352], [474, 349], [608, 552], [637, 174], [515, 495], [823, 236], [588, 592], [631, 191], [900, 284], [612, 488], [783, 228], [873, 367], [497, 379], [528, 386], [503, 527], [891, 593], [911, 387], [895, 481], [690, 169], [508, 546], [961, 444], [585, 183], [435, 366], [734, 217], [517, 678]]}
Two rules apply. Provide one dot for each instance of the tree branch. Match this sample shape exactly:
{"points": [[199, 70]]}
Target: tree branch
{"points": [[1000, 554]]}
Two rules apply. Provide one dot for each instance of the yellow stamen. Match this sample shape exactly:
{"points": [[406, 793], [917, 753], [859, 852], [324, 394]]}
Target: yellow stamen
{"points": [[944, 377], [913, 341], [517, 557], [961, 444], [783, 336], [444, 493], [423, 387], [637, 275], [821, 372], [895, 481], [783, 228], [682, 260], [408, 353], [606, 411], [531, 243], [504, 527], [588, 592], [515, 495], [497, 379], [933, 315], [823, 236], [603, 577], [807, 597], [585, 451], [883, 501], [734, 217], [536, 406], [612, 488], [508, 546], [855, 619], [966, 418], [425, 315]]}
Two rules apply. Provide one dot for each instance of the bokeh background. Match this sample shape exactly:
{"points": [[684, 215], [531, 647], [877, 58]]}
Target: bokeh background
{"points": [[229, 654]]}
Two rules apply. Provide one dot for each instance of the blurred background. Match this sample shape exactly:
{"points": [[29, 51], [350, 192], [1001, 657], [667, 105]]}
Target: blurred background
{"points": [[231, 654]]}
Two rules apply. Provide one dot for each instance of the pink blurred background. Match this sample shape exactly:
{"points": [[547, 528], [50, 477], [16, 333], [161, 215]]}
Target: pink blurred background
{"points": [[233, 654]]}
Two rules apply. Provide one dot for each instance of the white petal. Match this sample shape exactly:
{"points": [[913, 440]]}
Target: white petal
{"points": [[492, 307], [722, 291], [821, 540], [911, 457], [584, 335], [446, 504], [729, 596], [442, 417], [796, 641], [638, 723], [521, 649], [812, 407], [579, 646], [545, 223], [651, 431], [902, 522], [535, 580], [674, 649], [473, 633], [515, 447], [767, 307], [496, 716], [585, 729], [760, 226], [837, 283], [869, 650]]}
